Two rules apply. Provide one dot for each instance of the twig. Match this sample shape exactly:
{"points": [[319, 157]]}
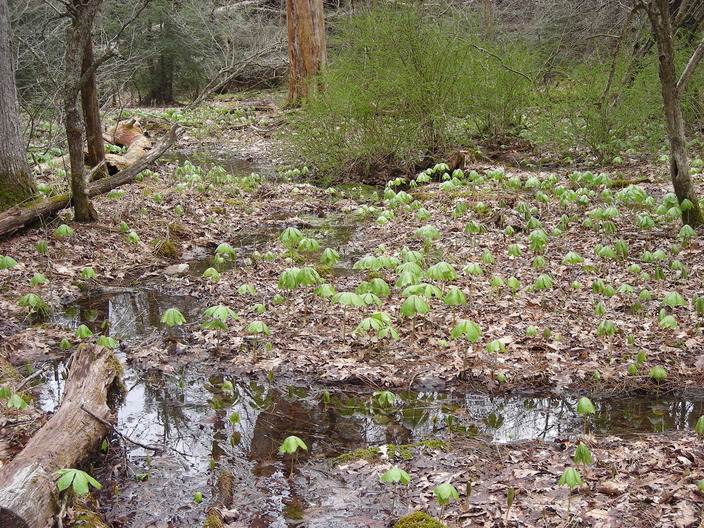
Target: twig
{"points": [[128, 439], [29, 378], [62, 512], [501, 62]]}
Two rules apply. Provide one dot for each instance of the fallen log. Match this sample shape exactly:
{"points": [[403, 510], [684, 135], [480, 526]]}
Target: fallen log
{"points": [[20, 215], [27, 487]]}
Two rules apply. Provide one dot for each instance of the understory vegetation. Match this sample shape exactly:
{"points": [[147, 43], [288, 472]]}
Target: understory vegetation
{"points": [[405, 89]]}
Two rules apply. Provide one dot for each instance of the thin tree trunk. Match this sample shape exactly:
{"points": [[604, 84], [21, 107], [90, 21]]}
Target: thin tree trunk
{"points": [[659, 15], [79, 33], [305, 22], [16, 182], [91, 112]]}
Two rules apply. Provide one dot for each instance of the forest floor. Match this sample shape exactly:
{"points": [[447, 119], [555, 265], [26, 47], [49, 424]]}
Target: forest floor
{"points": [[578, 283]]}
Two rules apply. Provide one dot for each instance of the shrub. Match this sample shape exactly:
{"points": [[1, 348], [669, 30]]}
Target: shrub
{"points": [[576, 117], [403, 87]]}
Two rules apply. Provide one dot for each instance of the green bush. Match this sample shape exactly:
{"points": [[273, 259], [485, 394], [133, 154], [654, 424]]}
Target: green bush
{"points": [[404, 86], [574, 116]]}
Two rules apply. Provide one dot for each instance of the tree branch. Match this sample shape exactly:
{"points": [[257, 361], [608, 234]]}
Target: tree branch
{"points": [[689, 70], [486, 51], [617, 50]]}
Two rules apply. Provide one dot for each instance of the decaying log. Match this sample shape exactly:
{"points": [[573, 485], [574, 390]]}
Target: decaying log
{"points": [[27, 487], [19, 216]]}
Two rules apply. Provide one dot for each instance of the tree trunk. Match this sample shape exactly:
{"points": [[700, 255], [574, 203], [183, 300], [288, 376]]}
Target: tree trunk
{"points": [[79, 33], [27, 486], [659, 15], [91, 112], [306, 46], [16, 182], [18, 217]]}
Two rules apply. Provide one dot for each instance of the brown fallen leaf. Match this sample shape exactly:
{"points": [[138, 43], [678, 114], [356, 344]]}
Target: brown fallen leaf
{"points": [[612, 487]]}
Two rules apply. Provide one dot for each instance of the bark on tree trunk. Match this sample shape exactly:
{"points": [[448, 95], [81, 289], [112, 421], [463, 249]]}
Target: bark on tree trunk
{"points": [[27, 487], [91, 113], [659, 15], [18, 217], [306, 46], [16, 181], [79, 33]]}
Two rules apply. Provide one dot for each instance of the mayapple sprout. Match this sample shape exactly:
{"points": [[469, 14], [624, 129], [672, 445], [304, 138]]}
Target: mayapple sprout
{"points": [[246, 289], [308, 245], [76, 479], [495, 346], [290, 446], [346, 299], [582, 455], [63, 231], [585, 407], [88, 273], [290, 238], [455, 297], [441, 271], [107, 342], [443, 493], [413, 306], [172, 317], [212, 274], [34, 303], [258, 327], [385, 398], [37, 279], [570, 478], [658, 373], [467, 328], [7, 262], [394, 476], [83, 332], [699, 427], [674, 299]]}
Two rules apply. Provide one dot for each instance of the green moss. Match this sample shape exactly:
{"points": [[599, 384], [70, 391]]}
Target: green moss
{"points": [[165, 248], [418, 520], [85, 515], [400, 451], [14, 192], [366, 454], [214, 519]]}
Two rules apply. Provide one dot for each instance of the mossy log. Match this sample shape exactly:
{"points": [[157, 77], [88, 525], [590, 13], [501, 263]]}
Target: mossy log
{"points": [[19, 216], [27, 487]]}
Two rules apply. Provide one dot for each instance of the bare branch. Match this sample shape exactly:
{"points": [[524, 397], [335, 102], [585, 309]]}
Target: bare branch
{"points": [[617, 50], [689, 70], [602, 35], [501, 62], [134, 17]]}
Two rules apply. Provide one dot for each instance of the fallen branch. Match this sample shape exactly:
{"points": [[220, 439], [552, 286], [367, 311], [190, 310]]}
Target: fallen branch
{"points": [[27, 486], [19, 216]]}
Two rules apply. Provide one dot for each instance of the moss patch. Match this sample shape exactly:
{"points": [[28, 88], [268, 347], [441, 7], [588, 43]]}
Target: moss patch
{"points": [[419, 520]]}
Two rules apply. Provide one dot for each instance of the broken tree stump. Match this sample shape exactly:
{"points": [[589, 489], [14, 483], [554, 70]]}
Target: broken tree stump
{"points": [[27, 488]]}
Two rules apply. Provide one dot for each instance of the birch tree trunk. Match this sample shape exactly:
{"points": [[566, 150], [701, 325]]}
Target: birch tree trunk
{"points": [[305, 22], [16, 182]]}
